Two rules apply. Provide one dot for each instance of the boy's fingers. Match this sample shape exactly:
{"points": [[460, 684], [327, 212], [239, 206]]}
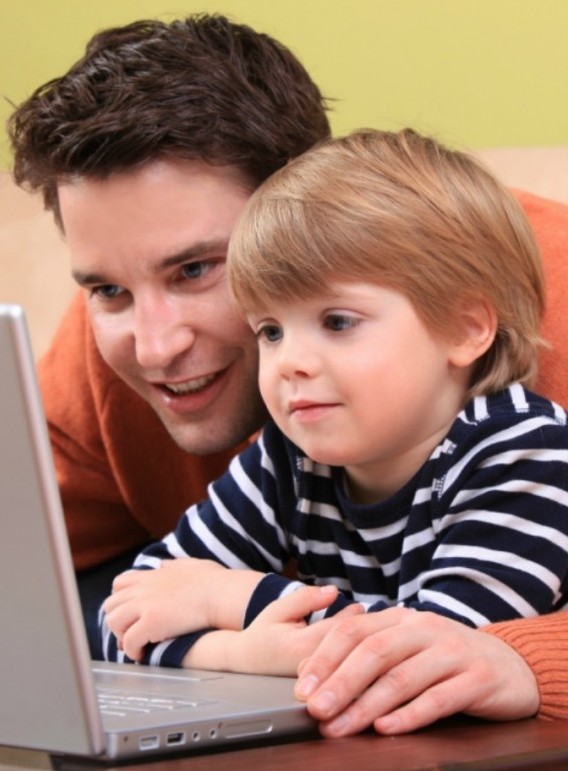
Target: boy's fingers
{"points": [[296, 605]]}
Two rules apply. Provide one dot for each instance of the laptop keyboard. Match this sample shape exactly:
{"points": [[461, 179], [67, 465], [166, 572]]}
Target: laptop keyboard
{"points": [[118, 704]]}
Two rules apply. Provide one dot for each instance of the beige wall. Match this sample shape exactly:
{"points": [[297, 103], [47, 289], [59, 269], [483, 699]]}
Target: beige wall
{"points": [[34, 265]]}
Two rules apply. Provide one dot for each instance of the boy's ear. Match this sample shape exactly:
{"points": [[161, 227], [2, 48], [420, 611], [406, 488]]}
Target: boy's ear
{"points": [[474, 332]]}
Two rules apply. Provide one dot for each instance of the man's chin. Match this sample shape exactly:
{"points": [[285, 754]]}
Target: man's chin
{"points": [[198, 442], [207, 438]]}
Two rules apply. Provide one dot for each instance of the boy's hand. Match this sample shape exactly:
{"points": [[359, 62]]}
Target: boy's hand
{"points": [[183, 595], [276, 641]]}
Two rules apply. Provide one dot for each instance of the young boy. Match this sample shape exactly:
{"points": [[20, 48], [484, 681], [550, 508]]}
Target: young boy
{"points": [[396, 292]]}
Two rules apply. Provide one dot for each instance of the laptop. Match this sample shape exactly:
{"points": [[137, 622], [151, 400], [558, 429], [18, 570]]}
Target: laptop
{"points": [[53, 697]]}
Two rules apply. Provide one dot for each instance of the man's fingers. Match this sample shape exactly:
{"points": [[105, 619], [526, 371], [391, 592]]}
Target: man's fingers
{"points": [[368, 644], [438, 701], [423, 683]]}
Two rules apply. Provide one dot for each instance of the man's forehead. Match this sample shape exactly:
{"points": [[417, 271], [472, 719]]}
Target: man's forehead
{"points": [[157, 198], [159, 171], [149, 219]]}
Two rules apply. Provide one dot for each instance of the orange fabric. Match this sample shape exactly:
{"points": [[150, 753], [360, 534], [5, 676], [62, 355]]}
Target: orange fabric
{"points": [[549, 220], [542, 642]]}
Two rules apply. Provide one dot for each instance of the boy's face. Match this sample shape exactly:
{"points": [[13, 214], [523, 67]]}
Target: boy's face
{"points": [[148, 246], [355, 379]]}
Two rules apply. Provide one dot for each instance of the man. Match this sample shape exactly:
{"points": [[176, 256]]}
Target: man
{"points": [[145, 151]]}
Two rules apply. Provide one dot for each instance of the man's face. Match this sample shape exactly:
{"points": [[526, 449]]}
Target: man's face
{"points": [[149, 246]]}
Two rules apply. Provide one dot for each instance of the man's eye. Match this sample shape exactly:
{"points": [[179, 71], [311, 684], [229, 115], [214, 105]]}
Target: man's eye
{"points": [[197, 269], [270, 332], [107, 291], [338, 323]]}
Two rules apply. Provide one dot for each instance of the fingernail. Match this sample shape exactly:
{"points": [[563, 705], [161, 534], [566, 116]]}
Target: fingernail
{"points": [[324, 702], [338, 726], [328, 589], [387, 724], [306, 686]]}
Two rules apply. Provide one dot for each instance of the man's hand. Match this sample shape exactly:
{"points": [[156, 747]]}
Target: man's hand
{"points": [[400, 669], [183, 595]]}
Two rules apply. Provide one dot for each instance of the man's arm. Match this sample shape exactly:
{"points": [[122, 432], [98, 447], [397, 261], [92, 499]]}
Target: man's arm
{"points": [[541, 642]]}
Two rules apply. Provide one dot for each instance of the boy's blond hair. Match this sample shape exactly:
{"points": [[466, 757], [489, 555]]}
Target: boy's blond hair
{"points": [[402, 211]]}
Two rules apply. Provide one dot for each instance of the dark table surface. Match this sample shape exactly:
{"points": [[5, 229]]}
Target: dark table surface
{"points": [[459, 743]]}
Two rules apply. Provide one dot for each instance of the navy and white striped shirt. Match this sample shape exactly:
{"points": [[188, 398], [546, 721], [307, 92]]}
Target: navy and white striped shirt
{"points": [[480, 534]]}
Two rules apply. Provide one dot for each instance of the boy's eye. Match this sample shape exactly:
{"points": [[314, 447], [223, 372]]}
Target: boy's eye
{"points": [[270, 332], [337, 322]]}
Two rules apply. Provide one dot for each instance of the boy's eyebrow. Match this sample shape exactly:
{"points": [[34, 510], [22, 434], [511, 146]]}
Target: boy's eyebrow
{"points": [[201, 250]]}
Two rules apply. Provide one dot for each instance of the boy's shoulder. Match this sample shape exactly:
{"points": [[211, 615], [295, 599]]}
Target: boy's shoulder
{"points": [[503, 422], [498, 436], [514, 404]]}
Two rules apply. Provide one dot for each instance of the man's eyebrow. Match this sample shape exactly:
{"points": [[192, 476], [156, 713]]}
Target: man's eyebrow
{"points": [[200, 250], [87, 279]]}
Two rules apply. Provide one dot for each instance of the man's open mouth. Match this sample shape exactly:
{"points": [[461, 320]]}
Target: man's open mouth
{"points": [[190, 386]]}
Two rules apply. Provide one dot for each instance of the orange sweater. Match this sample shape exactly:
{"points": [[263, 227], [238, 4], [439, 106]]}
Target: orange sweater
{"points": [[124, 482]]}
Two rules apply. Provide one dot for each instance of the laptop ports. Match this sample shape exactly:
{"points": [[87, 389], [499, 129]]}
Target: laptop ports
{"points": [[149, 742], [175, 738]]}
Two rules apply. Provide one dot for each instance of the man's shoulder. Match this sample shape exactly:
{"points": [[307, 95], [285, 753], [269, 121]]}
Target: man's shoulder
{"points": [[548, 218], [549, 221]]}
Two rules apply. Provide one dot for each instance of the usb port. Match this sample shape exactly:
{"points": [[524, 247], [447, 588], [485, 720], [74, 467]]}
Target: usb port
{"points": [[177, 737], [149, 742]]}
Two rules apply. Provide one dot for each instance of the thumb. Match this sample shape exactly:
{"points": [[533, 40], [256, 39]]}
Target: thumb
{"points": [[300, 603]]}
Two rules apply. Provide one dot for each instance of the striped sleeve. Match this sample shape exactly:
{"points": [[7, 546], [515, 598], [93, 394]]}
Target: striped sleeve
{"points": [[239, 525]]}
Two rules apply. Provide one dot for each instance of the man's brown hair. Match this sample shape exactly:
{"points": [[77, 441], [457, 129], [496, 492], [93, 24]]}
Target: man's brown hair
{"points": [[198, 88]]}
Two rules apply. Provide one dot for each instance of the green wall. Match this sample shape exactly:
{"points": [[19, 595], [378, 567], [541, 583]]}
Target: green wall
{"points": [[479, 73]]}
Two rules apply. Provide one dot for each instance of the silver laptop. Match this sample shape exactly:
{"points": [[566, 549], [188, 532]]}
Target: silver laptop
{"points": [[53, 698]]}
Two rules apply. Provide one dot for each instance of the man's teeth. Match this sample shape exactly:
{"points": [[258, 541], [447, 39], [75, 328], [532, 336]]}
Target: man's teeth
{"points": [[191, 386]]}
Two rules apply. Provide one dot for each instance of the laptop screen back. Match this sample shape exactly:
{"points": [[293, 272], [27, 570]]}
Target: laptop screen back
{"points": [[47, 694]]}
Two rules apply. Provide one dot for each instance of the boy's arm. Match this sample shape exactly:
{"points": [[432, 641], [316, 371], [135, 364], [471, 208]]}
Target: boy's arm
{"points": [[182, 596], [234, 529], [275, 643]]}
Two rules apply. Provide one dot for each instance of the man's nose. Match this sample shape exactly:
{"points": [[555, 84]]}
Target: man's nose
{"points": [[161, 333]]}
